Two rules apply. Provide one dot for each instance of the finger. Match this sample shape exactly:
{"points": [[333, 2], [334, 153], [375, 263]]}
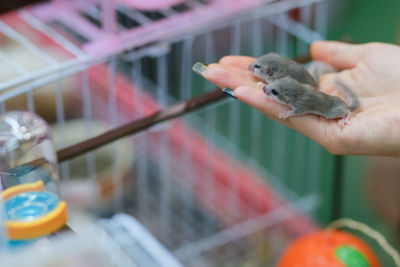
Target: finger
{"points": [[241, 62], [259, 100], [228, 76], [337, 54], [354, 79], [327, 83]]}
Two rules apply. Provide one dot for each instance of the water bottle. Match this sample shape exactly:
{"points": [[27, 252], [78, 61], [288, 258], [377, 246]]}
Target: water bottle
{"points": [[31, 206]]}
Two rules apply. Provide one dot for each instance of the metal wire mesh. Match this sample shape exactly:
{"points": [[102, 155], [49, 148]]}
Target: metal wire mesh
{"points": [[192, 181]]}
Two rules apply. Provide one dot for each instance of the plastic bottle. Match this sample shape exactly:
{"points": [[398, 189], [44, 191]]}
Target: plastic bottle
{"points": [[28, 177]]}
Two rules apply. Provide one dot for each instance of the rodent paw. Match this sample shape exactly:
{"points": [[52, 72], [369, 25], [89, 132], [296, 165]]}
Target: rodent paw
{"points": [[285, 115], [344, 121]]}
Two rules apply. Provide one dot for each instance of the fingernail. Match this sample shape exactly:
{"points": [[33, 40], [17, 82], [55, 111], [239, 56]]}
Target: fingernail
{"points": [[200, 68], [229, 92]]}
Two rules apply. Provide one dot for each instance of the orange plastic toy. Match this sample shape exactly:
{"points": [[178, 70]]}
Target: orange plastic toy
{"points": [[329, 248]]}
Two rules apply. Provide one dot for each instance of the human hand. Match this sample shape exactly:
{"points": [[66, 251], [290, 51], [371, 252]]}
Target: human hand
{"points": [[371, 70]]}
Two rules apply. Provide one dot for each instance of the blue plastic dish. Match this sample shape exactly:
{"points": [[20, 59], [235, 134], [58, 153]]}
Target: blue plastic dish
{"points": [[30, 206]]}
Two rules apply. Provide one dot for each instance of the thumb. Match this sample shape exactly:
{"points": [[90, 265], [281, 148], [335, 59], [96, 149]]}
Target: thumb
{"points": [[337, 54]]}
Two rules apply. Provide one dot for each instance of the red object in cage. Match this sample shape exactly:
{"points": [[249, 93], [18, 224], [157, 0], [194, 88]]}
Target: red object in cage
{"points": [[329, 248]]}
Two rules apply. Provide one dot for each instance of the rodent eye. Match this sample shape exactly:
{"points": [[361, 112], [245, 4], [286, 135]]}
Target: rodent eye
{"points": [[257, 66], [270, 72], [274, 92]]}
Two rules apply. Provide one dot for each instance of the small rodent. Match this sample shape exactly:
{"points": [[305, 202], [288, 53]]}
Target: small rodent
{"points": [[305, 99], [271, 67]]}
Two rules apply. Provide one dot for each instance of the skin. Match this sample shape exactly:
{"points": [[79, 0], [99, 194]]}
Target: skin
{"points": [[372, 70]]}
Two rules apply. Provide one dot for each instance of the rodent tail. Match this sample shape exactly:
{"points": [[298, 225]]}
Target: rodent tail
{"points": [[354, 103]]}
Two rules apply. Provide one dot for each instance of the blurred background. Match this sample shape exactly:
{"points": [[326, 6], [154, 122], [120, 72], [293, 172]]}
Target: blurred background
{"points": [[366, 189], [371, 184]]}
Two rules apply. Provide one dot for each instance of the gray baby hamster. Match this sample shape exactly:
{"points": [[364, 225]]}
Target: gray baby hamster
{"points": [[271, 67], [305, 99]]}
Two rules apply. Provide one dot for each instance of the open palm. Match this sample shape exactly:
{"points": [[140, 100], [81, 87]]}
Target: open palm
{"points": [[372, 71]]}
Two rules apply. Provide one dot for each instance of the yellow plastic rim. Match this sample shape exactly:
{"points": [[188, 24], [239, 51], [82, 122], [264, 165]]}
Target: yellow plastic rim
{"points": [[44, 225], [21, 188]]}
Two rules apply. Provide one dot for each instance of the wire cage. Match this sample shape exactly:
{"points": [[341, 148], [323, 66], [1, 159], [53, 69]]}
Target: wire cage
{"points": [[212, 185]]}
